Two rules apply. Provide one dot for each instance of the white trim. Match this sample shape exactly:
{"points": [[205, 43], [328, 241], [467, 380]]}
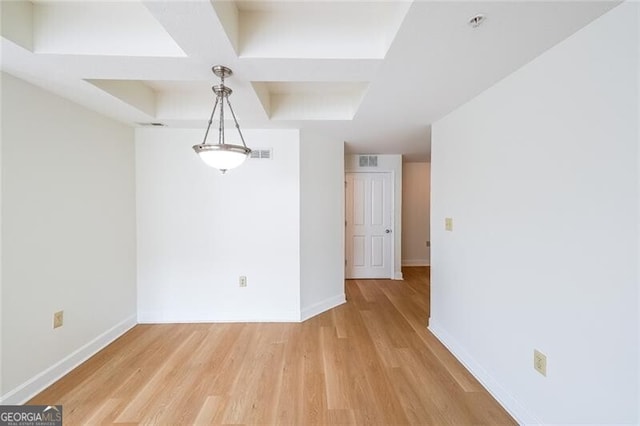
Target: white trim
{"points": [[521, 414], [157, 317], [322, 306], [638, 199], [42, 380], [394, 214], [398, 276], [415, 262]]}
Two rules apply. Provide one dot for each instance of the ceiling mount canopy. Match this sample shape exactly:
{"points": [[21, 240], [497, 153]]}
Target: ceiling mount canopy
{"points": [[221, 155]]}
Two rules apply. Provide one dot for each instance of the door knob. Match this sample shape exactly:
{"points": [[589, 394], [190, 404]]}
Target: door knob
{"points": [[387, 231]]}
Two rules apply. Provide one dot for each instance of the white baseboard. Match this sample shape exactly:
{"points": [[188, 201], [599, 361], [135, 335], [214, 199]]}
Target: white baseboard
{"points": [[188, 318], [41, 381], [322, 306], [415, 262], [156, 317], [513, 406]]}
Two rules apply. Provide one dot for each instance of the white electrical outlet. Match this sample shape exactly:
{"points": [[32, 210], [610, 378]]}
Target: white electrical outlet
{"points": [[243, 281], [540, 362]]}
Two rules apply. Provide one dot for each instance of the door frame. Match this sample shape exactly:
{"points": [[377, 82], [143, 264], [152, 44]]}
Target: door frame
{"points": [[392, 174]]}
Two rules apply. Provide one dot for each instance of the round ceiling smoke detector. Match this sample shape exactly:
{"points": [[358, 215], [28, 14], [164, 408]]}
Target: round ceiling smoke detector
{"points": [[477, 20]]}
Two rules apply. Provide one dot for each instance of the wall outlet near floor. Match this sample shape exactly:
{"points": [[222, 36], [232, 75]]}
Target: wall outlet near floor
{"points": [[540, 362], [58, 319], [243, 281]]}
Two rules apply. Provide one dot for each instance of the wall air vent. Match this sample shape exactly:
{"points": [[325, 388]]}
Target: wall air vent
{"points": [[261, 154], [368, 161]]}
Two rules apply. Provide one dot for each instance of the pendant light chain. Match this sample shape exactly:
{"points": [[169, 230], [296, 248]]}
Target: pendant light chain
{"points": [[210, 121], [221, 127]]}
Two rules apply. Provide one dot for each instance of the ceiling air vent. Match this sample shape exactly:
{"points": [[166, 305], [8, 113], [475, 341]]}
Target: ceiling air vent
{"points": [[368, 161], [261, 154]]}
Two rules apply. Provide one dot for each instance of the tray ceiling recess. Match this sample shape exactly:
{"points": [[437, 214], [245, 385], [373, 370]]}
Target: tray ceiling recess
{"points": [[311, 30], [107, 28]]}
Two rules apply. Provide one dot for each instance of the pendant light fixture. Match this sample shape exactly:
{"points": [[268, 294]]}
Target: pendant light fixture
{"points": [[222, 156]]}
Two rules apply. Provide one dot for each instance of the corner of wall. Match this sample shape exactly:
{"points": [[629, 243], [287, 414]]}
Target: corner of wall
{"points": [[321, 306], [25, 391], [321, 224]]}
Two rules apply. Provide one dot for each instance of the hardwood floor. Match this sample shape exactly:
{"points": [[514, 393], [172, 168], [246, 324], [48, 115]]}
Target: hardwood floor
{"points": [[370, 361]]}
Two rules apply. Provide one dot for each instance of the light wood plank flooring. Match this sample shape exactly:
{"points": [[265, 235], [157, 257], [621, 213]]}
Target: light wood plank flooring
{"points": [[370, 361]]}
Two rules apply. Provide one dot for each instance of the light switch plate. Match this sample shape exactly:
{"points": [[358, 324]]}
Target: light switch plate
{"points": [[58, 319], [448, 224]]}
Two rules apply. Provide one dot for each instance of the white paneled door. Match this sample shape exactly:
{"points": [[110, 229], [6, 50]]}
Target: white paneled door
{"points": [[368, 225]]}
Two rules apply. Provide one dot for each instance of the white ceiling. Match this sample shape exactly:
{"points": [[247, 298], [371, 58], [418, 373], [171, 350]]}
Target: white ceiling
{"points": [[375, 73]]}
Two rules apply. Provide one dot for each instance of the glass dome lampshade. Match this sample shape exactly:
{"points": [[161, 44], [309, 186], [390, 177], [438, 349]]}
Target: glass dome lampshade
{"points": [[223, 156]]}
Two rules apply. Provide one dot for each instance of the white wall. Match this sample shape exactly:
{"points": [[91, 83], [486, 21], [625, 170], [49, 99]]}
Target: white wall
{"points": [[68, 235], [540, 175], [198, 230], [321, 224], [393, 164], [415, 213]]}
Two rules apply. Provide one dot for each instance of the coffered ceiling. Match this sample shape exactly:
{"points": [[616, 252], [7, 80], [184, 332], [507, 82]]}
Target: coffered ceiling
{"points": [[374, 74]]}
